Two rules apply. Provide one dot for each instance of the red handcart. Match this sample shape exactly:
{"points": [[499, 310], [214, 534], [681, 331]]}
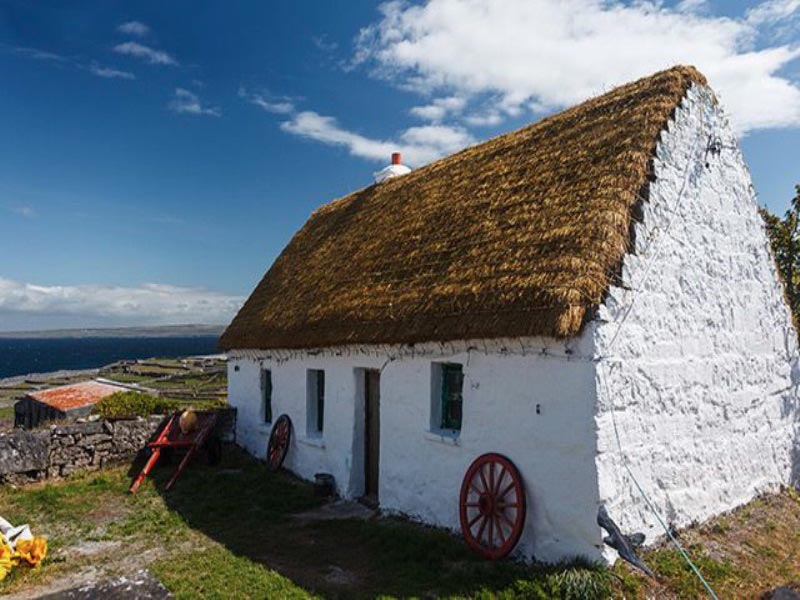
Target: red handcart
{"points": [[171, 436]]}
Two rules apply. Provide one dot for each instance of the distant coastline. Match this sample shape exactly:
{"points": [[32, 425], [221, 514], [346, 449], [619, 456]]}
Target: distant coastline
{"points": [[182, 331], [85, 349]]}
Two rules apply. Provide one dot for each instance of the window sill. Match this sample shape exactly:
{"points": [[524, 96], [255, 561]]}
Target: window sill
{"points": [[316, 442], [442, 436]]}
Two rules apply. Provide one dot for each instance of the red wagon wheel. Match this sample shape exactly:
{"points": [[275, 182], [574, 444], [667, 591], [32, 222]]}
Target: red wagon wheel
{"points": [[492, 506], [279, 442]]}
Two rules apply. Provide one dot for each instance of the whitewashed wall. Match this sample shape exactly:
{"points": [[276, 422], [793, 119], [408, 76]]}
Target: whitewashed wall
{"points": [[420, 471], [701, 372]]}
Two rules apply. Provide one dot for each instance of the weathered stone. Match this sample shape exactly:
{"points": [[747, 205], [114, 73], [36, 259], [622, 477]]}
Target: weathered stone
{"points": [[23, 451], [79, 428], [97, 438]]}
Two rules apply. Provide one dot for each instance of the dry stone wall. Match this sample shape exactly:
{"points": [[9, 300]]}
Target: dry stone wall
{"points": [[61, 450]]}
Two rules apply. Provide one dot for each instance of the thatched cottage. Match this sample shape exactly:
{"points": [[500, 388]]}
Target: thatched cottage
{"points": [[591, 291]]}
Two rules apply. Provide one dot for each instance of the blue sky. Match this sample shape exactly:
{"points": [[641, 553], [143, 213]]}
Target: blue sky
{"points": [[156, 156]]}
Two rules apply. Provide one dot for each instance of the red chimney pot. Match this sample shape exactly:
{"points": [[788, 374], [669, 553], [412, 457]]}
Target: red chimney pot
{"points": [[396, 158]]}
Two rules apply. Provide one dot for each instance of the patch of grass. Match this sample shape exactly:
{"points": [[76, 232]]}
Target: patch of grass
{"points": [[6, 412], [672, 569], [217, 573], [132, 404]]}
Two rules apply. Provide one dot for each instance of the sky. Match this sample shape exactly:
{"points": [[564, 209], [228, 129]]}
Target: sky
{"points": [[155, 157]]}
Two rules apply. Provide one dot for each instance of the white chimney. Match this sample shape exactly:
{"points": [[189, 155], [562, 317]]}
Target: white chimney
{"points": [[395, 169]]}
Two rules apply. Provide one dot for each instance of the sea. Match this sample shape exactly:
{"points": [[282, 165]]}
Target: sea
{"points": [[20, 356]]}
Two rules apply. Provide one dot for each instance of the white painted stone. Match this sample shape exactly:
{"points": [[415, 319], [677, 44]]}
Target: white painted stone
{"points": [[421, 470], [701, 379]]}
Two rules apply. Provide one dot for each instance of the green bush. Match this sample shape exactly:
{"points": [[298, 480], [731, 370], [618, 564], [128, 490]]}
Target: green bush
{"points": [[139, 404]]}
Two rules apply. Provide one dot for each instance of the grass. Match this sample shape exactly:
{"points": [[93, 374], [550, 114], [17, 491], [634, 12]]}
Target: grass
{"points": [[229, 531], [216, 573]]}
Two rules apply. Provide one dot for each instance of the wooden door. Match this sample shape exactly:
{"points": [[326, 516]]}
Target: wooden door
{"points": [[372, 432]]}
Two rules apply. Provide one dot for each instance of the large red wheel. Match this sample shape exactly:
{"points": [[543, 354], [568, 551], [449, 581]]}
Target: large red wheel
{"points": [[279, 442], [492, 506]]}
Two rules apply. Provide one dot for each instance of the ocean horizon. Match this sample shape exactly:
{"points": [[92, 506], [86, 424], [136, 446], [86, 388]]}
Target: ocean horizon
{"points": [[22, 356]]}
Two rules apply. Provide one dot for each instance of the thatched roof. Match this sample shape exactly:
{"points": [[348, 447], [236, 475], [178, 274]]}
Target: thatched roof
{"points": [[517, 236]]}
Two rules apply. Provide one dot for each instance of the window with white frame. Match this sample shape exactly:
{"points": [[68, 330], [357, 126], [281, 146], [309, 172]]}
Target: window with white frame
{"points": [[315, 402]]}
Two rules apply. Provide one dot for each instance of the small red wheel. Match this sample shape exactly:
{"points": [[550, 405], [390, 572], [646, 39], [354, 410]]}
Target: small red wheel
{"points": [[279, 442], [492, 506]]}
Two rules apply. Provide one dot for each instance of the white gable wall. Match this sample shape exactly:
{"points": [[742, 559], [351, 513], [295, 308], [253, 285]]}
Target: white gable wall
{"points": [[700, 375], [420, 471]]}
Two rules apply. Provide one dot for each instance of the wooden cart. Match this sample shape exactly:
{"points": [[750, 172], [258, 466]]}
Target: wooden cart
{"points": [[171, 436]]}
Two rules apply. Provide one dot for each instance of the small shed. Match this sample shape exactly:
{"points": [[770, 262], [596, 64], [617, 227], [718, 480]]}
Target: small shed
{"points": [[63, 402]]}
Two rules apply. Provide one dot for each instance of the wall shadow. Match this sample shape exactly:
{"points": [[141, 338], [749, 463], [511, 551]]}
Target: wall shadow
{"points": [[252, 512]]}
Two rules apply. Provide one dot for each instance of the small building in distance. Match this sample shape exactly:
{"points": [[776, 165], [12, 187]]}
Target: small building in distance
{"points": [[63, 402]]}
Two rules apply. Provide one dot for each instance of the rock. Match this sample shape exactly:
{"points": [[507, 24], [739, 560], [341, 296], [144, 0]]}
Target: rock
{"points": [[24, 451]]}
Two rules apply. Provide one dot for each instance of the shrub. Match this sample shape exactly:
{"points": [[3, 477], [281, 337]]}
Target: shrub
{"points": [[139, 404]]}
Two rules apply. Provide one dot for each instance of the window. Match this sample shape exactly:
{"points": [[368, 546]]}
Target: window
{"points": [[266, 395], [315, 401], [447, 400]]}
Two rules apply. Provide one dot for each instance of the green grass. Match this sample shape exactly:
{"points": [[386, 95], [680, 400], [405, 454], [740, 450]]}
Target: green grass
{"points": [[227, 531], [216, 573], [673, 570], [6, 412]]}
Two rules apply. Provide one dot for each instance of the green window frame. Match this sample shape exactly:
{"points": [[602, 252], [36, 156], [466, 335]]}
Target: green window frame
{"points": [[266, 394], [452, 400]]}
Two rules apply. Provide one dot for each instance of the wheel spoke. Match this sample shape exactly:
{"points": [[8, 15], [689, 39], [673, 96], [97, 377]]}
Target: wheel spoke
{"points": [[499, 530], [507, 505], [499, 479], [491, 531], [472, 504], [481, 528], [475, 520], [483, 479], [491, 478], [508, 521], [474, 488], [510, 486]]}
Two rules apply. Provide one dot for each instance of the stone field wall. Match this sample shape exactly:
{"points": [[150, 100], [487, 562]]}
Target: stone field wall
{"points": [[61, 450]]}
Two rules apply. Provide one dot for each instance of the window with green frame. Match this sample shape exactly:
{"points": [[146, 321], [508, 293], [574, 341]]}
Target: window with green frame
{"points": [[452, 399], [266, 394]]}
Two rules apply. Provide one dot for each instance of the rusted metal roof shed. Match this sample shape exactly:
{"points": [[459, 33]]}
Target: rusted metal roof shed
{"points": [[63, 402]]}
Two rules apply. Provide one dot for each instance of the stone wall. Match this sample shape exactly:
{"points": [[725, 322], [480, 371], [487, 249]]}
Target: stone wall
{"points": [[61, 450]]}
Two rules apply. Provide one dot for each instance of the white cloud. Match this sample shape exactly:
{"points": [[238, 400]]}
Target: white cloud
{"points": [[147, 304], [146, 53], [549, 54], [109, 73], [186, 102], [692, 5], [773, 11], [23, 210], [280, 106], [419, 145], [439, 108], [136, 28], [38, 54]]}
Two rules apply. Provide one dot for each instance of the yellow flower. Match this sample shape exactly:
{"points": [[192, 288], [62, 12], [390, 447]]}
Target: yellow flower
{"points": [[6, 560], [32, 551]]}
